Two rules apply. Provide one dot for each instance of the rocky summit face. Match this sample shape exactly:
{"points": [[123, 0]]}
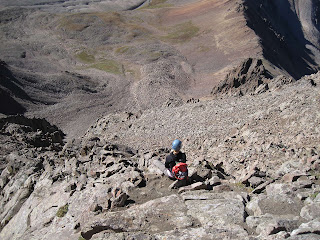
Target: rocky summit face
{"points": [[94, 92]]}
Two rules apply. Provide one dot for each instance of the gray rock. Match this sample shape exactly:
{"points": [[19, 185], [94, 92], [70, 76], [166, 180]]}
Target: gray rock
{"points": [[261, 188], [231, 232], [217, 212], [270, 224], [279, 189], [255, 181], [276, 225], [309, 227], [305, 237], [214, 181], [274, 204], [178, 184], [119, 200], [288, 167], [200, 174], [292, 176], [278, 236], [152, 216], [193, 187], [311, 211]]}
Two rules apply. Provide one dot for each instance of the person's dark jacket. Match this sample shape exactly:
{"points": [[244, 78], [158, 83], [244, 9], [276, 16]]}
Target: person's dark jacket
{"points": [[172, 159]]}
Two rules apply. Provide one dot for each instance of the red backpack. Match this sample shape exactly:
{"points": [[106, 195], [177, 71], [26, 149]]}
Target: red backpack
{"points": [[180, 171]]}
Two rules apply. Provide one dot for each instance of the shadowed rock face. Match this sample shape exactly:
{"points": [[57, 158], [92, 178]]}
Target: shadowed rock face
{"points": [[289, 33], [10, 106], [10, 87]]}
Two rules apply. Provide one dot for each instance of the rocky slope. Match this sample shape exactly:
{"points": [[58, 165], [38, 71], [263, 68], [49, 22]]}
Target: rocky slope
{"points": [[253, 165], [139, 74]]}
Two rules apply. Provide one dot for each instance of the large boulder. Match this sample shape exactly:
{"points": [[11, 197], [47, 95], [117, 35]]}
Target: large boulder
{"points": [[162, 214], [274, 204]]}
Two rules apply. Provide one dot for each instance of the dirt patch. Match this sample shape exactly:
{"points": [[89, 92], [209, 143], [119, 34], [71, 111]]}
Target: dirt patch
{"points": [[156, 187]]}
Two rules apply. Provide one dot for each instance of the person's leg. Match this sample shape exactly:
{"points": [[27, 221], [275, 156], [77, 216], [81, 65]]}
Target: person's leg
{"points": [[168, 173]]}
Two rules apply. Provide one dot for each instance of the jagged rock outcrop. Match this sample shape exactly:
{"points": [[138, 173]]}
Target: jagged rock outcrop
{"points": [[26, 147], [247, 77]]}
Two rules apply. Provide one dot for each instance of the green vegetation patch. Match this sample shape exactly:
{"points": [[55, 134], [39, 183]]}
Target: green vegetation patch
{"points": [[182, 32], [243, 187], [314, 195], [125, 50], [151, 55], [122, 50], [203, 48], [85, 57], [62, 211], [315, 173], [109, 66]]}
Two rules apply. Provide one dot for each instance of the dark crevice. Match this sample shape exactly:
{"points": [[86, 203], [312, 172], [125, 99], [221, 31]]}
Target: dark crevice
{"points": [[137, 5], [309, 232]]}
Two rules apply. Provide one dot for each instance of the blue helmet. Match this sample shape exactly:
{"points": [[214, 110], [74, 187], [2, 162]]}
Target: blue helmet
{"points": [[176, 145]]}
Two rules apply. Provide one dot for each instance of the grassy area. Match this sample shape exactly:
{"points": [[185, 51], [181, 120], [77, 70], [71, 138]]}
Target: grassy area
{"points": [[314, 195], [182, 32], [123, 49], [85, 57], [152, 56], [131, 50], [109, 66], [243, 187], [315, 173], [62, 211], [203, 49]]}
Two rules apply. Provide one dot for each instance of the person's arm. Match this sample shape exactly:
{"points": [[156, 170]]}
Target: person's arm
{"points": [[183, 158], [167, 163]]}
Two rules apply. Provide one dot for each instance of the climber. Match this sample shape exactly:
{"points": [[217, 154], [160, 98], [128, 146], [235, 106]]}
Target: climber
{"points": [[176, 156]]}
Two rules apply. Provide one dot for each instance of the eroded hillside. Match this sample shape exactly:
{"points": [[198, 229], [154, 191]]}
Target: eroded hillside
{"points": [[84, 59]]}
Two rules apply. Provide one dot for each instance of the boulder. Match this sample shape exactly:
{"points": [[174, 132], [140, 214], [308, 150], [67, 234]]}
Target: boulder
{"points": [[193, 187], [278, 236], [230, 232], [292, 176], [269, 224], [214, 181], [255, 181], [153, 216], [221, 188], [311, 211], [178, 184], [261, 187], [310, 236], [279, 189], [200, 174], [119, 200], [216, 209], [274, 204], [309, 227]]}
